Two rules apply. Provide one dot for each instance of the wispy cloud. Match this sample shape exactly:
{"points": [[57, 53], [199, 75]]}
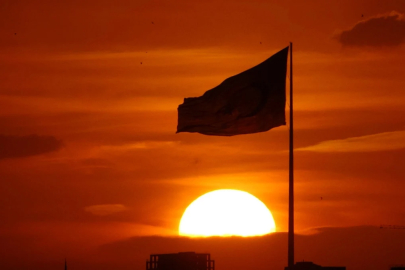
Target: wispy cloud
{"points": [[25, 146], [370, 143], [139, 145], [381, 30], [105, 209]]}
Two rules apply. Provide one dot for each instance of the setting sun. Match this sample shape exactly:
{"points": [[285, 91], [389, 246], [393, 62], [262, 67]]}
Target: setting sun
{"points": [[226, 212]]}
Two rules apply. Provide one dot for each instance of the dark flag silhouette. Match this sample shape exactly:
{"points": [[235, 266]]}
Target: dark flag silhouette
{"points": [[250, 102]]}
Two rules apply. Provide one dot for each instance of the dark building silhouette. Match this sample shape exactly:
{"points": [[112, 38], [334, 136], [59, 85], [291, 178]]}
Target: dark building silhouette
{"points": [[312, 266], [180, 261], [398, 268]]}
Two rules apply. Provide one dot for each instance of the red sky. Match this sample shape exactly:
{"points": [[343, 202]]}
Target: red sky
{"points": [[89, 157]]}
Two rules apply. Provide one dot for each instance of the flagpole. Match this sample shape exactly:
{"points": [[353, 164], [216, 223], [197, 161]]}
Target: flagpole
{"points": [[291, 176]]}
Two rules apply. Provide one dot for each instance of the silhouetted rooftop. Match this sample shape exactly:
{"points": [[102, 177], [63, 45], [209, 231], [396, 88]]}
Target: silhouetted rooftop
{"points": [[312, 266], [180, 261]]}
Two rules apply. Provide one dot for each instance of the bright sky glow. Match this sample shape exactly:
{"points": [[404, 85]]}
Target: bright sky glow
{"points": [[226, 212]]}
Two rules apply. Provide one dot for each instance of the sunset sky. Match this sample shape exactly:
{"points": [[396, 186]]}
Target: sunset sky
{"points": [[91, 168]]}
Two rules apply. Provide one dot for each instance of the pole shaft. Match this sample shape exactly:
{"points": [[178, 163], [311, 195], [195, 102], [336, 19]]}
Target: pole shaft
{"points": [[291, 174]]}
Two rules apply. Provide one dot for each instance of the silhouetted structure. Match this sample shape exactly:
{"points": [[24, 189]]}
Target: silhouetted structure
{"points": [[180, 261], [398, 268], [312, 266], [396, 227]]}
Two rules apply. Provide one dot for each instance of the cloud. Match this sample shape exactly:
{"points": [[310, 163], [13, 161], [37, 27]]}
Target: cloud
{"points": [[371, 143], [140, 145], [127, 25], [105, 209], [25, 146], [382, 30], [326, 247]]}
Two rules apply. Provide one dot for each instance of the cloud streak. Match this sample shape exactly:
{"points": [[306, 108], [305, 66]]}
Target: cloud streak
{"points": [[385, 141], [386, 30], [142, 145], [105, 209], [25, 146]]}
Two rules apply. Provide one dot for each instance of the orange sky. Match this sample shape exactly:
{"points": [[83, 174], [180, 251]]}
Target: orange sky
{"points": [[88, 150]]}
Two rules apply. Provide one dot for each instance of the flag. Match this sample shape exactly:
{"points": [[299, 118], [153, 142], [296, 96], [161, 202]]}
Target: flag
{"points": [[249, 102]]}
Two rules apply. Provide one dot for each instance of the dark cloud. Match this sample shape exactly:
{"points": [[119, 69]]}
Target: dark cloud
{"points": [[126, 25], [357, 248], [351, 247], [25, 146], [382, 30]]}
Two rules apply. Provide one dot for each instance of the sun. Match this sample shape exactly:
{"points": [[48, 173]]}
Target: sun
{"points": [[226, 212]]}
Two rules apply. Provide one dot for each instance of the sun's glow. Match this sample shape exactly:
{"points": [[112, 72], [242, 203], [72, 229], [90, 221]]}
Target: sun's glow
{"points": [[226, 212]]}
